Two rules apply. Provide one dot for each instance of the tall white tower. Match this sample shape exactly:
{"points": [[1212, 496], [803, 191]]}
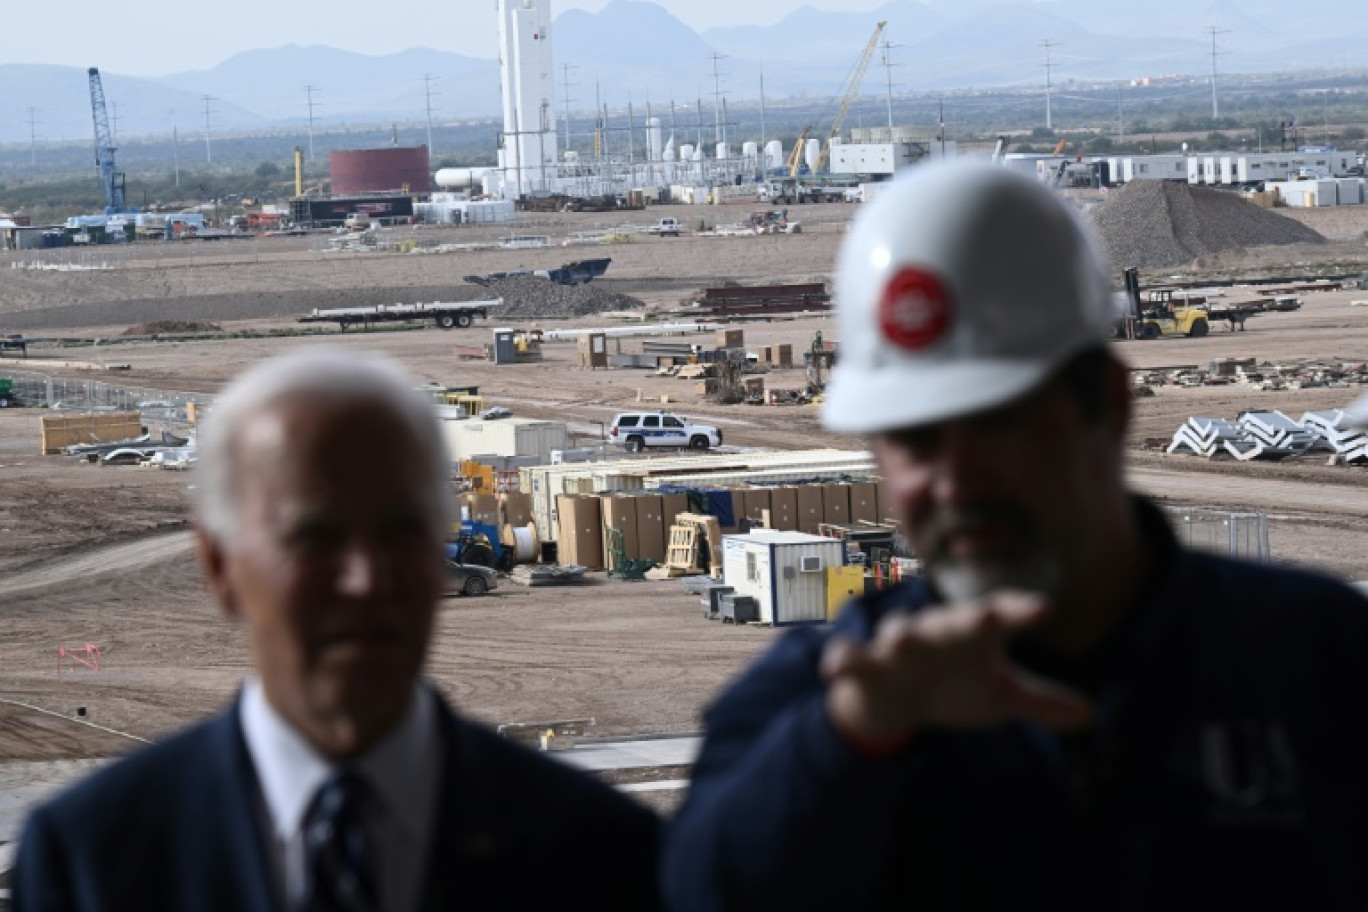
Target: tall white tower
{"points": [[527, 152]]}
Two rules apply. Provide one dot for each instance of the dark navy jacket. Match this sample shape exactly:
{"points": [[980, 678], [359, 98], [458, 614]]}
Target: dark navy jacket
{"points": [[1228, 769], [175, 827]]}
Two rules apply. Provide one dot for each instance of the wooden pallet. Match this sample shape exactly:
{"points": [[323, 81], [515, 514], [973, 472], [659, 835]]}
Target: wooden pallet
{"points": [[682, 552]]}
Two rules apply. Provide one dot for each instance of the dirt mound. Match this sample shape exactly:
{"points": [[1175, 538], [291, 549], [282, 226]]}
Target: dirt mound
{"points": [[1155, 224], [163, 327], [531, 296]]}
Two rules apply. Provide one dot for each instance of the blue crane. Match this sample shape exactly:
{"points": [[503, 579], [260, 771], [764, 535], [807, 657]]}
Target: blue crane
{"points": [[111, 179]]}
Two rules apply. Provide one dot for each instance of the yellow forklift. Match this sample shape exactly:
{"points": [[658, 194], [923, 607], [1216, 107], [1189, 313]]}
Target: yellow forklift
{"points": [[1163, 312]]}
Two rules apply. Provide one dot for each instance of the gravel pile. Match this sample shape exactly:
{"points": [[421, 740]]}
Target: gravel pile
{"points": [[1156, 224], [530, 296]]}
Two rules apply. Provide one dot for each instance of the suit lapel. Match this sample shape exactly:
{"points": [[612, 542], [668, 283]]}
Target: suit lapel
{"points": [[467, 843], [242, 877]]}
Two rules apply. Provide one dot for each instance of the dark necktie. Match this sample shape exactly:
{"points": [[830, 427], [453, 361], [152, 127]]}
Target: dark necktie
{"points": [[337, 854]]}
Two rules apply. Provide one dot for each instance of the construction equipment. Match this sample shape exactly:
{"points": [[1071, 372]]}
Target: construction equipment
{"points": [[478, 543], [110, 177], [772, 221], [795, 159], [1176, 312], [852, 90], [819, 359]]}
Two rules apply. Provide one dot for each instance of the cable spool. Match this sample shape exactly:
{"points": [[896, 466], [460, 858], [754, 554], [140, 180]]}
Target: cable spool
{"points": [[523, 540]]}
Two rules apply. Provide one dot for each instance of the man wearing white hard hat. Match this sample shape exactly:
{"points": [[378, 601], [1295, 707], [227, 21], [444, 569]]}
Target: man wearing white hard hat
{"points": [[1071, 710]]}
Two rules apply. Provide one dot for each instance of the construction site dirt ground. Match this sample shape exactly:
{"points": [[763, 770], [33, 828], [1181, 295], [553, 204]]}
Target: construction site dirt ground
{"points": [[102, 555]]}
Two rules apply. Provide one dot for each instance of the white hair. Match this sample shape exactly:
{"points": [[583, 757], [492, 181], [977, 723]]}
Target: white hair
{"points": [[321, 371]]}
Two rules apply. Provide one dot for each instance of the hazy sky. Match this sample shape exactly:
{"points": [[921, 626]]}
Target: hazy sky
{"points": [[156, 37]]}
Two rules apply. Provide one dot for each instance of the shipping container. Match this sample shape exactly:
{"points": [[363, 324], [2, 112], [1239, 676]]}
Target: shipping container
{"points": [[469, 437]]}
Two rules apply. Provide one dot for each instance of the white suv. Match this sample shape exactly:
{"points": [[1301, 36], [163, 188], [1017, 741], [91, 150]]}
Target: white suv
{"points": [[637, 430]]}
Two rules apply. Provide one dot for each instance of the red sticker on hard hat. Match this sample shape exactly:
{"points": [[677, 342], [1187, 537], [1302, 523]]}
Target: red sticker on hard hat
{"points": [[914, 311]]}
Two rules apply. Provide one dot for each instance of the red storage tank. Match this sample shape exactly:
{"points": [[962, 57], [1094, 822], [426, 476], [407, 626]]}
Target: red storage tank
{"points": [[378, 170]]}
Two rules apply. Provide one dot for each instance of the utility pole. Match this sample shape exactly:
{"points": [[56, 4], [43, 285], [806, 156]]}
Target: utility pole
{"points": [[1215, 110], [942, 128], [1049, 46], [565, 97], [308, 93], [888, 71], [631, 128], [33, 135], [764, 140], [208, 147], [719, 129], [1120, 117], [428, 79]]}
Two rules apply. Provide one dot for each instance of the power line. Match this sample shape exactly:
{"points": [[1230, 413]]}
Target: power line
{"points": [[719, 129], [1049, 45], [311, 104], [208, 130], [428, 93], [1214, 31], [888, 69], [566, 84], [33, 135]]}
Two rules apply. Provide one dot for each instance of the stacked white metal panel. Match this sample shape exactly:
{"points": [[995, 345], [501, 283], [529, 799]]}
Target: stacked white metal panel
{"points": [[1272, 435], [1203, 436], [785, 572], [528, 153]]}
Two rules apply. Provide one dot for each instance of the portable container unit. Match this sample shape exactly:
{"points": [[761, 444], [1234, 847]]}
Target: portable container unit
{"points": [[785, 572], [469, 437]]}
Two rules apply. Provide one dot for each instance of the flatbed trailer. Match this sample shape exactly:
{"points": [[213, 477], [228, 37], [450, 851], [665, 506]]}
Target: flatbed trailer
{"points": [[445, 314]]}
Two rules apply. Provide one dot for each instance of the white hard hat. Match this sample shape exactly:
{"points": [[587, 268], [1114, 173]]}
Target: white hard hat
{"points": [[959, 288]]}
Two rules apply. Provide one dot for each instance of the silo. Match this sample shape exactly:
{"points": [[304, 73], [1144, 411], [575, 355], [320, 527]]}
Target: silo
{"points": [[750, 154], [723, 151], [654, 138], [686, 152], [812, 150], [377, 170], [774, 155]]}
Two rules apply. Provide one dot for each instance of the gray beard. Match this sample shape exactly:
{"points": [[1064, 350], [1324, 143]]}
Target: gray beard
{"points": [[959, 581]]}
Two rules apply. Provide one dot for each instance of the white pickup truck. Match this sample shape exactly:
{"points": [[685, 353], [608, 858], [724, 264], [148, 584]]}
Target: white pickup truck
{"points": [[666, 227]]}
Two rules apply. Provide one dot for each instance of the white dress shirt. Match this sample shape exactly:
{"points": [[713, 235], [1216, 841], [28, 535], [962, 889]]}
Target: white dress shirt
{"points": [[402, 771]]}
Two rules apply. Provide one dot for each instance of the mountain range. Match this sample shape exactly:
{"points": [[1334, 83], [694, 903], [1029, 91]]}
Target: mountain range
{"points": [[636, 52]]}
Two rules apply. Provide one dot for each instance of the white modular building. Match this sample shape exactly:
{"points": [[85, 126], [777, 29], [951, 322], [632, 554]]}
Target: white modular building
{"points": [[467, 438], [527, 147], [785, 572]]}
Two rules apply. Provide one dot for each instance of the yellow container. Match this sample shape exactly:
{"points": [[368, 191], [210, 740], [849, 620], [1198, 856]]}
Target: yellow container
{"points": [[843, 584]]}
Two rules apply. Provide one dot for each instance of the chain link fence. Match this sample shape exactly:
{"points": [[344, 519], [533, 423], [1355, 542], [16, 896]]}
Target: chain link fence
{"points": [[1243, 535], [59, 394]]}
